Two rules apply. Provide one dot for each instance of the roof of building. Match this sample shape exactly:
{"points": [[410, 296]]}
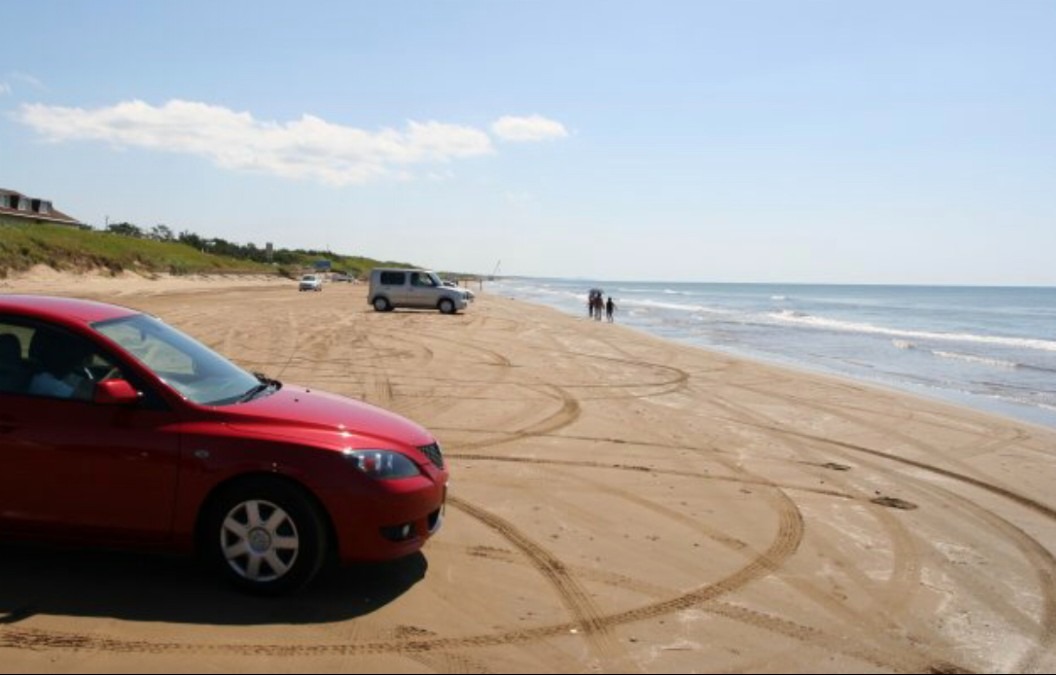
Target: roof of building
{"points": [[52, 214]]}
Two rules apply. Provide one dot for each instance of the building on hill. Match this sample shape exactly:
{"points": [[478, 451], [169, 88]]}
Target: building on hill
{"points": [[15, 206]]}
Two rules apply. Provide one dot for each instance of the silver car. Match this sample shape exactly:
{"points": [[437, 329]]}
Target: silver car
{"points": [[310, 282], [421, 289]]}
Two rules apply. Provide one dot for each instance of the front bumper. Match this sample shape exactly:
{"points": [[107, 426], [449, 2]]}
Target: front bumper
{"points": [[391, 524]]}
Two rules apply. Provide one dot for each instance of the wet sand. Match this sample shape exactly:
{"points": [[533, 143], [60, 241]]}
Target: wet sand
{"points": [[617, 503]]}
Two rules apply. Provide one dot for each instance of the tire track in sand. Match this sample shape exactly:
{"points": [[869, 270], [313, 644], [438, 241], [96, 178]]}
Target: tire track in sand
{"points": [[575, 598], [567, 413]]}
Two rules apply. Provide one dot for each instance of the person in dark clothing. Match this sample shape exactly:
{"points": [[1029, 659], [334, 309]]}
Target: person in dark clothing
{"points": [[610, 308], [595, 303]]}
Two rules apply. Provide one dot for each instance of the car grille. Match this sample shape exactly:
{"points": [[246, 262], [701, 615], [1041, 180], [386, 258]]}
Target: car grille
{"points": [[432, 451]]}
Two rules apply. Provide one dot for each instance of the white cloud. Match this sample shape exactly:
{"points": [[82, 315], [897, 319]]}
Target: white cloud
{"points": [[5, 88], [522, 129], [308, 147]]}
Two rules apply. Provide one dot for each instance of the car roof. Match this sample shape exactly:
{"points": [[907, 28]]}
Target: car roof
{"points": [[399, 269], [57, 308]]}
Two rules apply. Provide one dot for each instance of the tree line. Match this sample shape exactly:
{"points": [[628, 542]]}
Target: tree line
{"points": [[216, 245]]}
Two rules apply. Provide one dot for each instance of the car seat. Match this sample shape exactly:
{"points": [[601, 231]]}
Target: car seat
{"points": [[14, 375], [60, 355]]}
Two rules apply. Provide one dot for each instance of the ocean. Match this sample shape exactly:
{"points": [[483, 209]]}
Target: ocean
{"points": [[990, 348]]}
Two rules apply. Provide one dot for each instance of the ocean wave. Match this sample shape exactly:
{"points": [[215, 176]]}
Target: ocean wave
{"points": [[799, 318], [903, 344], [779, 298], [678, 307], [972, 358]]}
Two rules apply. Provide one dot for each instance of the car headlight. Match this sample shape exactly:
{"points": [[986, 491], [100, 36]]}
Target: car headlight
{"points": [[383, 464]]}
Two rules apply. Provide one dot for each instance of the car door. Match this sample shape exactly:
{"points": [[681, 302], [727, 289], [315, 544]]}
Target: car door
{"points": [[73, 468], [422, 290], [396, 287]]}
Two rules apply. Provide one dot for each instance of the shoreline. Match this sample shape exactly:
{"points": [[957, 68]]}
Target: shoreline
{"points": [[618, 502], [807, 370], [809, 331]]}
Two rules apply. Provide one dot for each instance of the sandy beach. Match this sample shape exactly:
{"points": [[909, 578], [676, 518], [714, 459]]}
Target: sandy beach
{"points": [[618, 503]]}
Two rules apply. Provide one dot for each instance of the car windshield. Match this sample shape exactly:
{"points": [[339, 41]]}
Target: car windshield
{"points": [[195, 371]]}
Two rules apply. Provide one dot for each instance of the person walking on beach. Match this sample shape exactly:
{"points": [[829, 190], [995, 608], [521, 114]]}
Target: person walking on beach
{"points": [[610, 308], [595, 304]]}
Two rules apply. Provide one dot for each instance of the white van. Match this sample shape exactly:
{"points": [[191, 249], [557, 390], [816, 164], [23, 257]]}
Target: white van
{"points": [[421, 289]]}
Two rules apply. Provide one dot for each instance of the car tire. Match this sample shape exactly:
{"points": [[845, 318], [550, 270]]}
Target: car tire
{"points": [[446, 306], [265, 535], [381, 304]]}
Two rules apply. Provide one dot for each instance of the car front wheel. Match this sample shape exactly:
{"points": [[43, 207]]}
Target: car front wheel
{"points": [[381, 305], [447, 307], [266, 536]]}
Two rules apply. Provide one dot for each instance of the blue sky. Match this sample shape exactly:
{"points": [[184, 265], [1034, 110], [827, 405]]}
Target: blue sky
{"points": [[844, 142]]}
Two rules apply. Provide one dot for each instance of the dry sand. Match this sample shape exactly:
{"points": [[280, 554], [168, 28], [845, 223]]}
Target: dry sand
{"points": [[618, 503]]}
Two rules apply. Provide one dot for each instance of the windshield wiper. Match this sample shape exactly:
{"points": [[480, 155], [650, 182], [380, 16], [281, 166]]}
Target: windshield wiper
{"points": [[264, 385], [254, 392]]}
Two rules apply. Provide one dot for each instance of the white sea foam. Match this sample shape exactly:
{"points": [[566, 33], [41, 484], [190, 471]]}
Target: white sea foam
{"points": [[799, 318], [972, 358], [903, 344], [675, 306]]}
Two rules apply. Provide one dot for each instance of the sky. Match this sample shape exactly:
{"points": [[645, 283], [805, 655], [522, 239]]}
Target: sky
{"points": [[712, 141]]}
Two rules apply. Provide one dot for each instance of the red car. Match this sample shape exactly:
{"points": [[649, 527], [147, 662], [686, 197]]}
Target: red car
{"points": [[116, 429]]}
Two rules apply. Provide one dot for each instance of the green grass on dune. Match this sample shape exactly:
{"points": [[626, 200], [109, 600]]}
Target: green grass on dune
{"points": [[24, 245], [66, 248]]}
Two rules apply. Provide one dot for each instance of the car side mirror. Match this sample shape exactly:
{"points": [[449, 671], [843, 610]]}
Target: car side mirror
{"points": [[115, 392]]}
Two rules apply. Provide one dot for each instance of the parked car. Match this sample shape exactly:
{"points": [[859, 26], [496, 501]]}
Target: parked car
{"points": [[310, 282], [470, 295], [342, 277], [391, 288], [117, 429]]}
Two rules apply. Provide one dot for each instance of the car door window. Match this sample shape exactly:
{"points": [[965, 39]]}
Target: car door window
{"points": [[44, 360], [392, 278]]}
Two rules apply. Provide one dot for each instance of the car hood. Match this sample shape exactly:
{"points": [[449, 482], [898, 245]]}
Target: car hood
{"points": [[455, 291], [320, 418]]}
